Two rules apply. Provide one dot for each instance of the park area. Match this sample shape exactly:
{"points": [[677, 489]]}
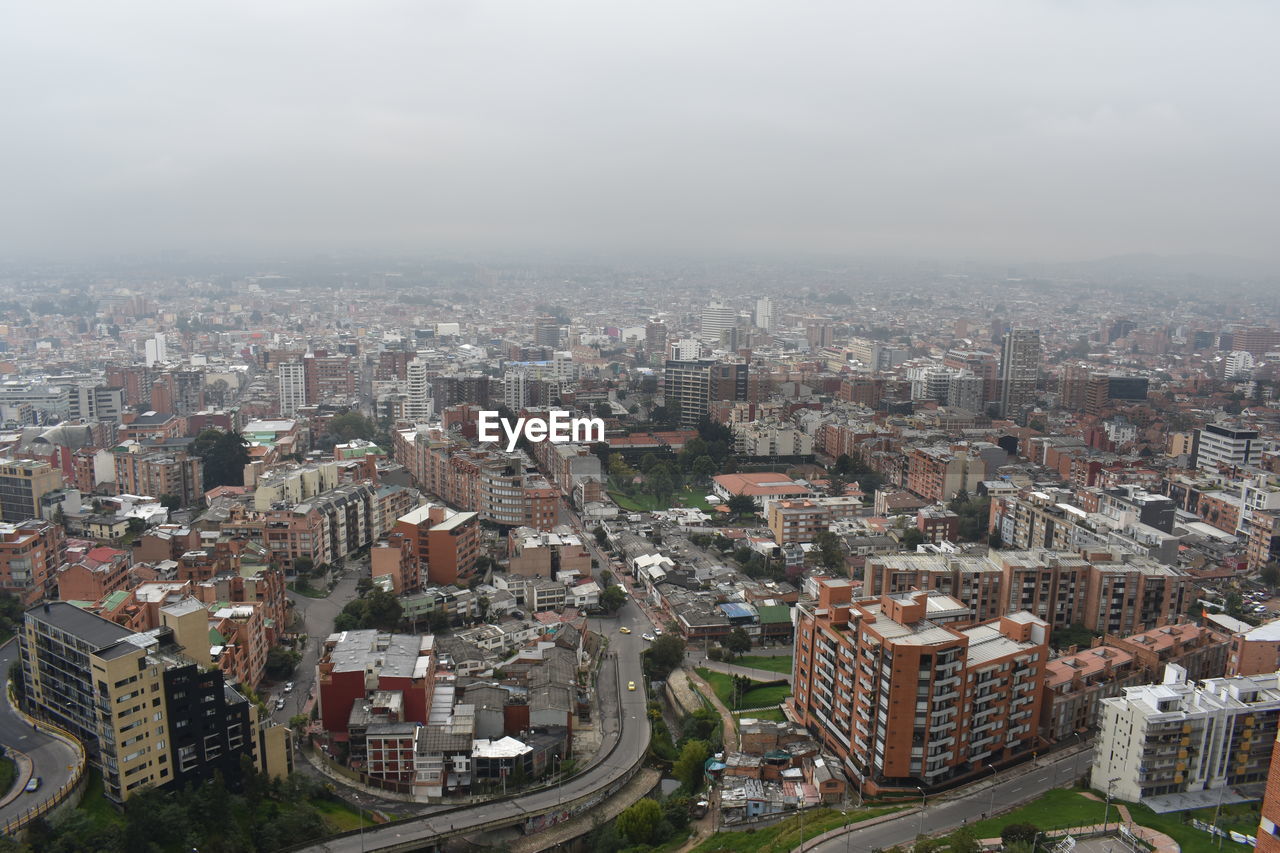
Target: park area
{"points": [[747, 694], [645, 502]]}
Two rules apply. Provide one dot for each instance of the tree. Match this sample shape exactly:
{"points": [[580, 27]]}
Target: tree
{"points": [[1270, 575], [963, 841], [688, 768], [741, 505], [303, 566], [601, 535], [171, 502], [704, 468], [738, 642], [639, 820], [1015, 832], [830, 550], [660, 484], [603, 410], [911, 538], [342, 429], [675, 809], [225, 453], [665, 654], [364, 586], [612, 599], [440, 622], [281, 662], [384, 610], [136, 525]]}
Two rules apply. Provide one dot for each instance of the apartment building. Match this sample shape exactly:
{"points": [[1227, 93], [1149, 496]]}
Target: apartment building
{"points": [[797, 521], [1180, 736], [354, 665], [940, 473], [1225, 446], [22, 483], [445, 542], [1075, 685], [148, 715], [976, 582], [1268, 833], [30, 553], [143, 470], [534, 553], [904, 697]]}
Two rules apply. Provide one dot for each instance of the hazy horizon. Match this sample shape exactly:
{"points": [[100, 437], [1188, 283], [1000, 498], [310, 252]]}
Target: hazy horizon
{"points": [[996, 132]]}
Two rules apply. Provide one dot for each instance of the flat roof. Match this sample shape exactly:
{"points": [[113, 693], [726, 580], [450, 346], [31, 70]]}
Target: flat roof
{"points": [[91, 628]]}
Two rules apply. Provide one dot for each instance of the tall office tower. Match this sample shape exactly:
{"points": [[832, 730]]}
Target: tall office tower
{"points": [[417, 404], [655, 339], [293, 387], [716, 319], [156, 350], [1224, 445], [691, 386], [820, 332], [764, 313], [1255, 340], [1019, 372], [546, 331]]}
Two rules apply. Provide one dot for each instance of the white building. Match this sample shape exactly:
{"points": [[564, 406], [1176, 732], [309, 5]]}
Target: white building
{"points": [[716, 319], [1180, 737], [686, 349], [764, 313], [293, 387], [418, 405], [1225, 445], [156, 349]]}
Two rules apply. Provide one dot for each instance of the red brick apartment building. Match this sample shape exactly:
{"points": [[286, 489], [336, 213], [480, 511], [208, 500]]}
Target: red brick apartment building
{"points": [[904, 697]]}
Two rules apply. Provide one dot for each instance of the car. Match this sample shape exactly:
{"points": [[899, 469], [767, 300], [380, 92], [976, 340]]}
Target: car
{"points": [[33, 785], [631, 685], [648, 637], [288, 688], [279, 704], [657, 632], [624, 630]]}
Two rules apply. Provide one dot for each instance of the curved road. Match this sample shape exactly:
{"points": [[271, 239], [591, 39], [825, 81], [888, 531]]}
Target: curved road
{"points": [[945, 815], [53, 761], [631, 739]]}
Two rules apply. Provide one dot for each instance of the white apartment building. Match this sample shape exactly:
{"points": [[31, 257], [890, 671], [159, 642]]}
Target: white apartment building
{"points": [[1178, 737]]}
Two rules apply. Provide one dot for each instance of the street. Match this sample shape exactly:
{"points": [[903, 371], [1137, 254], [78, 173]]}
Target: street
{"points": [[53, 761], [945, 815]]}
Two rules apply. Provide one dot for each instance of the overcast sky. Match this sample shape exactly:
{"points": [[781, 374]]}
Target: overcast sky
{"points": [[1011, 131]]}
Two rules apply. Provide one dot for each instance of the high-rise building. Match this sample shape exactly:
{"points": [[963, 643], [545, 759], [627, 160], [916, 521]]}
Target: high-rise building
{"points": [[1256, 340], [764, 313], [691, 386], [1225, 445], [293, 387], [716, 320], [417, 405], [546, 331], [1019, 372], [22, 483], [904, 697], [30, 553], [156, 350], [655, 340], [148, 715], [96, 403], [1180, 737]]}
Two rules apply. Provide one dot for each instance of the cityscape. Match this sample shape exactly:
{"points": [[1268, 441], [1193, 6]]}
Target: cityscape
{"points": [[616, 429]]}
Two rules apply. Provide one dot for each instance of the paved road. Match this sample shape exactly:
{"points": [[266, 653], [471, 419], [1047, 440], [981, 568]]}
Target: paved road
{"points": [[317, 615], [944, 815], [631, 739], [53, 761]]}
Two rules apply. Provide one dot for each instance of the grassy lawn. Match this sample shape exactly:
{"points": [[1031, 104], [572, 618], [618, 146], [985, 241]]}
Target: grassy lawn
{"points": [[1062, 808], [342, 816], [309, 591], [757, 697], [787, 834], [780, 664], [8, 770], [642, 502]]}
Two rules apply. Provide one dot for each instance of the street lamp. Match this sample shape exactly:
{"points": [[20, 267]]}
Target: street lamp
{"points": [[360, 809], [1106, 812], [991, 806], [924, 803]]}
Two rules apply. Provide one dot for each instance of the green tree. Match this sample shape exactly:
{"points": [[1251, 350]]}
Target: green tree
{"points": [[741, 505], [675, 810], [738, 642], [688, 768], [660, 484], [911, 538], [830, 550], [224, 455], [704, 468], [281, 662], [665, 654], [439, 622], [963, 841], [384, 611], [601, 535], [1270, 575], [1015, 832], [612, 599], [303, 566], [603, 410], [364, 586], [171, 502], [638, 822], [344, 428]]}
